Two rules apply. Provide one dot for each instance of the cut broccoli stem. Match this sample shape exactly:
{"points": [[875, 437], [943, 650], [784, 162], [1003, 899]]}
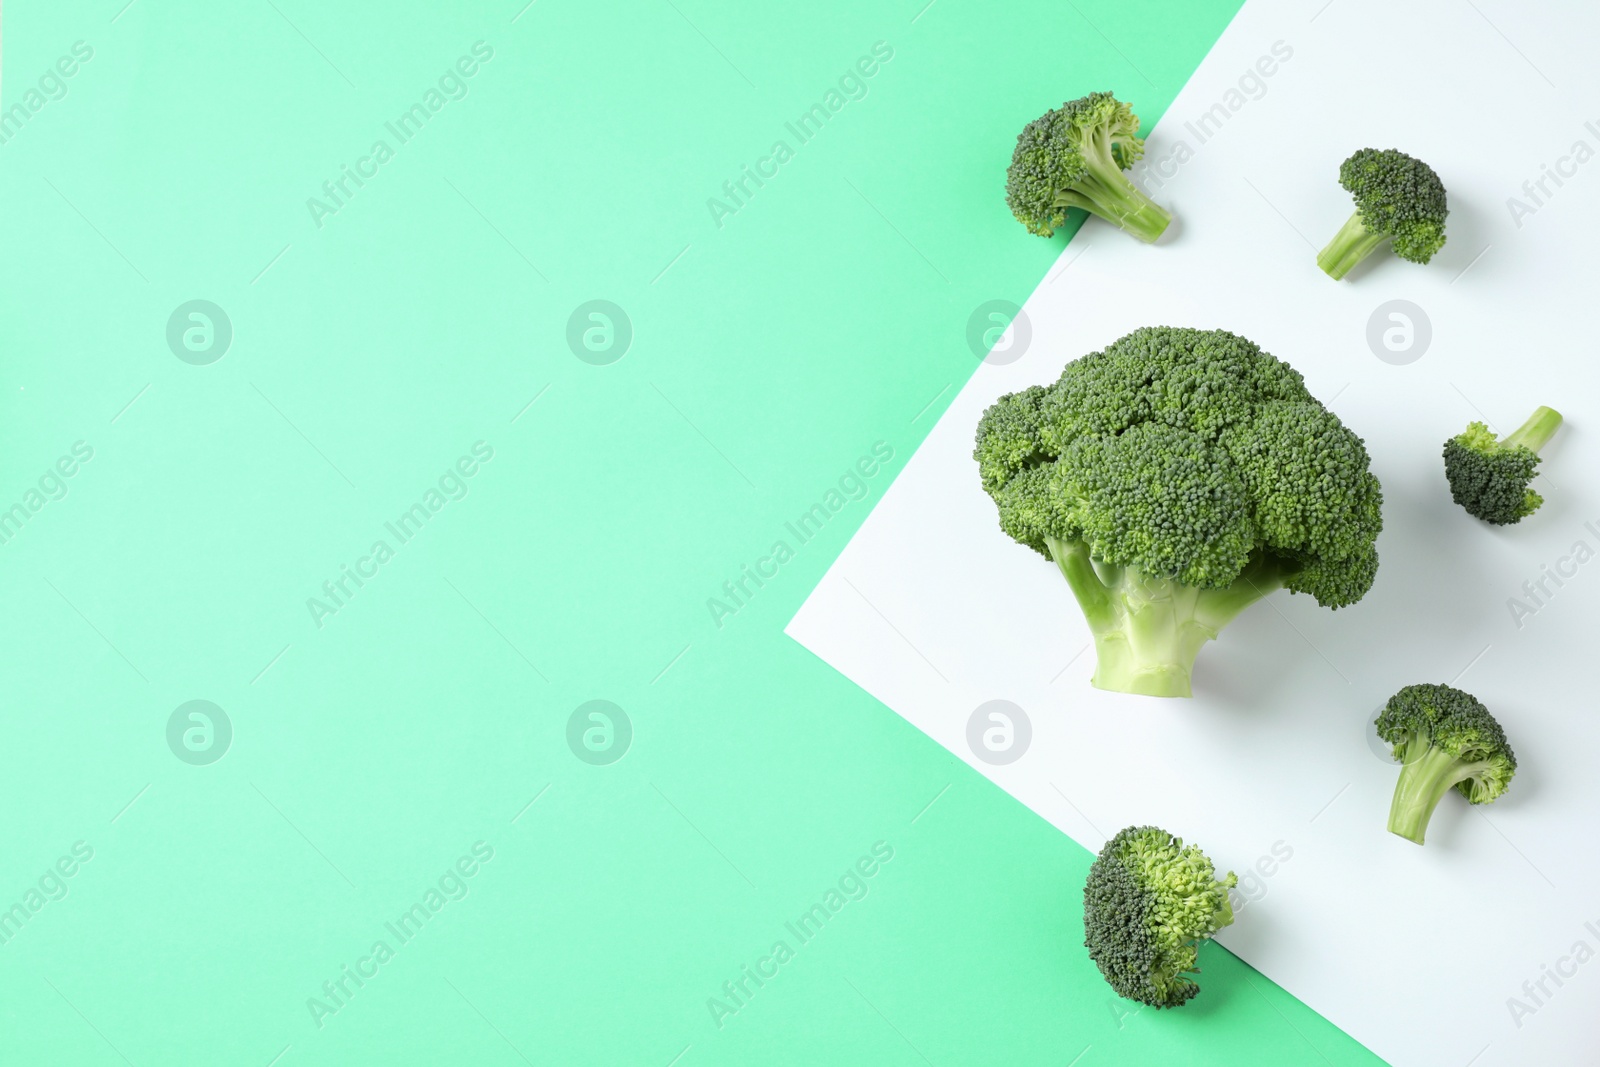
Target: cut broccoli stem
{"points": [[1424, 780], [1107, 192], [1537, 431], [1353, 243], [1148, 630]]}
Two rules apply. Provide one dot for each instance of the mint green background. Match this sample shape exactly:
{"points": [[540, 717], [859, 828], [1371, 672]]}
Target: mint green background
{"points": [[430, 710]]}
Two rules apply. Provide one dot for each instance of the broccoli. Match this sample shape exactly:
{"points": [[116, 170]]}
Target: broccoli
{"points": [[1443, 737], [1073, 157], [1176, 478], [1397, 196], [1489, 477], [1148, 904]]}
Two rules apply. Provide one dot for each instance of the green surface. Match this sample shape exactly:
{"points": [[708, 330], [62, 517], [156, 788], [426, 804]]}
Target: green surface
{"points": [[368, 354]]}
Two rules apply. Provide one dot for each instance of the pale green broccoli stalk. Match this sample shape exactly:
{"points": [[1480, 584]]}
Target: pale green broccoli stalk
{"points": [[1397, 196], [1489, 477], [1149, 903], [1073, 157], [1176, 478], [1444, 739]]}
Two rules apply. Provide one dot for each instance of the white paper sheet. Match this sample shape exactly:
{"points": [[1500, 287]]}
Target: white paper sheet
{"points": [[1420, 953]]}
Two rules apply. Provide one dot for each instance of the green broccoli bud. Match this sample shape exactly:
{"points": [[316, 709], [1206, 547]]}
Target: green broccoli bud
{"points": [[1489, 477], [1398, 197], [1174, 479], [1010, 437], [1148, 905], [1073, 157], [1443, 738]]}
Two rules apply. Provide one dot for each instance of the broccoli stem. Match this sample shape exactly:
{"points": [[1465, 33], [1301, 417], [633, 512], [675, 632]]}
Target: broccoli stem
{"points": [[1353, 243], [1105, 191], [1424, 780], [1147, 630], [1537, 431]]}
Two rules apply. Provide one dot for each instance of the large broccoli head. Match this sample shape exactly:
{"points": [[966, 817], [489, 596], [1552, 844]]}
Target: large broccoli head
{"points": [[1148, 904], [1489, 477], [1073, 157], [1180, 462], [1444, 738], [1397, 196]]}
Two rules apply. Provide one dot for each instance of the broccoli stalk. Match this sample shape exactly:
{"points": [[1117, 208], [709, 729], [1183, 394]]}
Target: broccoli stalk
{"points": [[1424, 780], [1353, 243], [1537, 431], [1073, 157], [1148, 631], [1445, 739], [1105, 191]]}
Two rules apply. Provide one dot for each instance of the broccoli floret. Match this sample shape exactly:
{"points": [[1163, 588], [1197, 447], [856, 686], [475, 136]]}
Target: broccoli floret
{"points": [[1489, 477], [1073, 157], [1442, 737], [1176, 478], [1397, 196], [1147, 906]]}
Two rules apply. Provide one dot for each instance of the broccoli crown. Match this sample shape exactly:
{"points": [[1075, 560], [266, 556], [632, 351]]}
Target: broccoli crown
{"points": [[1056, 151], [1446, 720], [1398, 196], [1147, 905], [1490, 477], [1187, 454]]}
